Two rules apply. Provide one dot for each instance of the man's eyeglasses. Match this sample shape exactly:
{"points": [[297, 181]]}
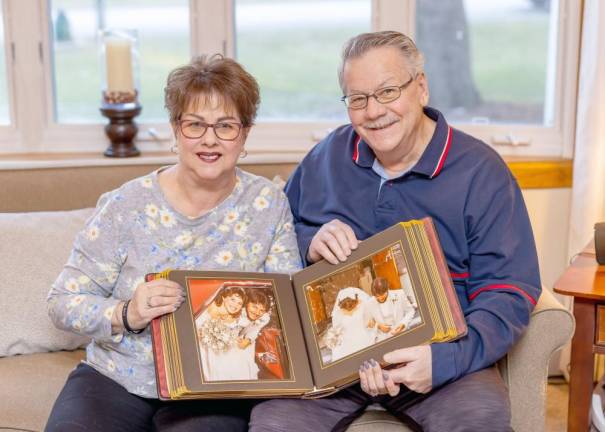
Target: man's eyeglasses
{"points": [[383, 95], [194, 129]]}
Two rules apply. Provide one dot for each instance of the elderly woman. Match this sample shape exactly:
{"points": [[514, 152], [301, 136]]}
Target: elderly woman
{"points": [[202, 213]]}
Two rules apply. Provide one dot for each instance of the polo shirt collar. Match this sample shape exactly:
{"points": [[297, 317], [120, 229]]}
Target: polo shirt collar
{"points": [[433, 158]]}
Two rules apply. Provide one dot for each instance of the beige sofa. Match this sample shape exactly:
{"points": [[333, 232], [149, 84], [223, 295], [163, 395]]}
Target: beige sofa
{"points": [[37, 224]]}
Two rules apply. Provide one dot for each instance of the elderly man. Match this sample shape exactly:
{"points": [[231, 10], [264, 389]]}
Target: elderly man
{"points": [[403, 157]]}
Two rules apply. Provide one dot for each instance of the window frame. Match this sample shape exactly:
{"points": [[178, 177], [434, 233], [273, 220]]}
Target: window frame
{"points": [[33, 127]]}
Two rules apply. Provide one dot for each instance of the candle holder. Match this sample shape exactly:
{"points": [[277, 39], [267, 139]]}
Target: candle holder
{"points": [[121, 129], [119, 60]]}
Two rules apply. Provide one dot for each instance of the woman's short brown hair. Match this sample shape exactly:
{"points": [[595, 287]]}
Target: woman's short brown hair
{"points": [[349, 303], [230, 291], [212, 76]]}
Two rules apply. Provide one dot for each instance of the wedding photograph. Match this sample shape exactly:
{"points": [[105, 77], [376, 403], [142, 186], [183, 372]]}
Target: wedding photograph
{"points": [[239, 330], [364, 304]]}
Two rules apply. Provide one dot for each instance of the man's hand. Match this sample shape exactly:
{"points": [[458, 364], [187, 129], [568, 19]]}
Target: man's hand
{"points": [[398, 329], [371, 323], [333, 242], [416, 371]]}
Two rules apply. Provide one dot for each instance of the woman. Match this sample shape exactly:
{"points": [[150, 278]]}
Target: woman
{"points": [[218, 331], [202, 213], [349, 321]]}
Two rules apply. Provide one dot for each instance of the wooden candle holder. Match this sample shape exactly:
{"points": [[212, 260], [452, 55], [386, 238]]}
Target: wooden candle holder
{"points": [[121, 129]]}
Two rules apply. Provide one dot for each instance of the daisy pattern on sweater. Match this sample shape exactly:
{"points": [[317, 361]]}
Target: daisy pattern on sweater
{"points": [[135, 231]]}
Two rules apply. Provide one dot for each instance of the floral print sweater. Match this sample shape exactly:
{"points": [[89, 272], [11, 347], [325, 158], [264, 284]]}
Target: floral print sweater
{"points": [[135, 231]]}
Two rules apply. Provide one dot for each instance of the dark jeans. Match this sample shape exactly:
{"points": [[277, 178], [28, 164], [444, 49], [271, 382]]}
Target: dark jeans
{"points": [[476, 402], [93, 402]]}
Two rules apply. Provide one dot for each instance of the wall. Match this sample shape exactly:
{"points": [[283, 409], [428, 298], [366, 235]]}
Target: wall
{"points": [[549, 211]]}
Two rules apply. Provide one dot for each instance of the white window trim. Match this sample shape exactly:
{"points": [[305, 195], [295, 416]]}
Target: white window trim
{"points": [[33, 128]]}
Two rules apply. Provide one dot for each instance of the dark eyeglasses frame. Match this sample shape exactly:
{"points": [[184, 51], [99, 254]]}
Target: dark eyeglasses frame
{"points": [[346, 99], [213, 126]]}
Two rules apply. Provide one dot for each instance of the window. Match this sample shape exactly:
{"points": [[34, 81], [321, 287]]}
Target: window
{"points": [[490, 61], [297, 73], [4, 95], [503, 71], [494, 64], [163, 33]]}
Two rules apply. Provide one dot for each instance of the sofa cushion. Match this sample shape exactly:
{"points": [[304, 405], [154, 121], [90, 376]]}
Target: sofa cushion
{"points": [[35, 247], [30, 386]]}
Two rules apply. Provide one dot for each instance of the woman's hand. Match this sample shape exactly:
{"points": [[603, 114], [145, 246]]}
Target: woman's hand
{"points": [[333, 242], [415, 369], [152, 299], [376, 381]]}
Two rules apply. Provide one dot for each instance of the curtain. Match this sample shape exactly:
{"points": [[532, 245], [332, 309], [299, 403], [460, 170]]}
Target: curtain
{"points": [[588, 191]]}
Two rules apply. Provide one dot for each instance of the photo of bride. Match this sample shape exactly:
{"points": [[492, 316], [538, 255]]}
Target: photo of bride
{"points": [[362, 305], [234, 319]]}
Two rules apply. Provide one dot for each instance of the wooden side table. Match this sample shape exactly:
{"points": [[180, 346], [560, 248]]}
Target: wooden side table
{"points": [[584, 279]]}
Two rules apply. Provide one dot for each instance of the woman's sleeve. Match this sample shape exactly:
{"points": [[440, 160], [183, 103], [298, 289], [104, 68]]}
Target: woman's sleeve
{"points": [[80, 300], [283, 256]]}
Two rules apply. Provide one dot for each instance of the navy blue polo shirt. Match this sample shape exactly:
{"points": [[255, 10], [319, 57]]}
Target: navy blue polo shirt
{"points": [[479, 214]]}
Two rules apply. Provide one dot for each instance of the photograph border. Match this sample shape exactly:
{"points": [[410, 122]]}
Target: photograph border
{"points": [[281, 322], [377, 344]]}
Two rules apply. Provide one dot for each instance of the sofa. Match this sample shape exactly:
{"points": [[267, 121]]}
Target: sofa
{"points": [[40, 212]]}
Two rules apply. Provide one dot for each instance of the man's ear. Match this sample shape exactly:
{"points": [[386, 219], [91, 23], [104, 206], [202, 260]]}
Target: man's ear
{"points": [[424, 89]]}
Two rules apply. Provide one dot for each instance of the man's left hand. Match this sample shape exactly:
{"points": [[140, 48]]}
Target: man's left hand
{"points": [[416, 371]]}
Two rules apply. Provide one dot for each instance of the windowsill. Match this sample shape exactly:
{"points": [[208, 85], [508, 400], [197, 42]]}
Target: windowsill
{"points": [[531, 172], [72, 160]]}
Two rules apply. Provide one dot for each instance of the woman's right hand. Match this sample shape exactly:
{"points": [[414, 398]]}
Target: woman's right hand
{"points": [[152, 299]]}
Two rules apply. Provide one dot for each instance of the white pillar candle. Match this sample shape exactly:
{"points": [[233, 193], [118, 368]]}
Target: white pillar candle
{"points": [[118, 61]]}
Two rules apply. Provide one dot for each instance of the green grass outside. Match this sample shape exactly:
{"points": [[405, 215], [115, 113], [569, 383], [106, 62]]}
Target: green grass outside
{"points": [[297, 69], [510, 58], [79, 79]]}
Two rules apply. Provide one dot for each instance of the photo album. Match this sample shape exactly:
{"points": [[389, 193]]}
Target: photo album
{"points": [[305, 335]]}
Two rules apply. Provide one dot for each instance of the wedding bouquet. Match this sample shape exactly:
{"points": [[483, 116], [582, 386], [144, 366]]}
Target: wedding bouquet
{"points": [[217, 335], [333, 337]]}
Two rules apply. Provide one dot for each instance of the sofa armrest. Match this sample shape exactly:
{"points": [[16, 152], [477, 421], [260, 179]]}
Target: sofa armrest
{"points": [[525, 367]]}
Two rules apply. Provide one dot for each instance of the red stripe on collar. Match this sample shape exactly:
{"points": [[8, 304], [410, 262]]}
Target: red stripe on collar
{"points": [[356, 149], [446, 149]]}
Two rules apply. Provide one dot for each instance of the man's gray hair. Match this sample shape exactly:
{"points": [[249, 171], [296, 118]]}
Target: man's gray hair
{"points": [[361, 44]]}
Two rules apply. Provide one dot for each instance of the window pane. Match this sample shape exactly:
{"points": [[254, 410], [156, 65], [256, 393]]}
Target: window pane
{"points": [[163, 31], [4, 106], [292, 47], [490, 62]]}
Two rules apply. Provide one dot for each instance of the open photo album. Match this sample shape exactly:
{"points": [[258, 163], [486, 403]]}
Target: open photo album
{"points": [[266, 335]]}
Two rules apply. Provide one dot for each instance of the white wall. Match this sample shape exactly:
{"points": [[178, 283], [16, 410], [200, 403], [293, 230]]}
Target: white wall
{"points": [[549, 211]]}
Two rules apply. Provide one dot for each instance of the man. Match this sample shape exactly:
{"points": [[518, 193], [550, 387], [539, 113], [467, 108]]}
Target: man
{"points": [[403, 157], [388, 310]]}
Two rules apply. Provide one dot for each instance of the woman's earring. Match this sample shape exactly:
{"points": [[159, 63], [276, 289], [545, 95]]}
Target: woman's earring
{"points": [[174, 149], [243, 154]]}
